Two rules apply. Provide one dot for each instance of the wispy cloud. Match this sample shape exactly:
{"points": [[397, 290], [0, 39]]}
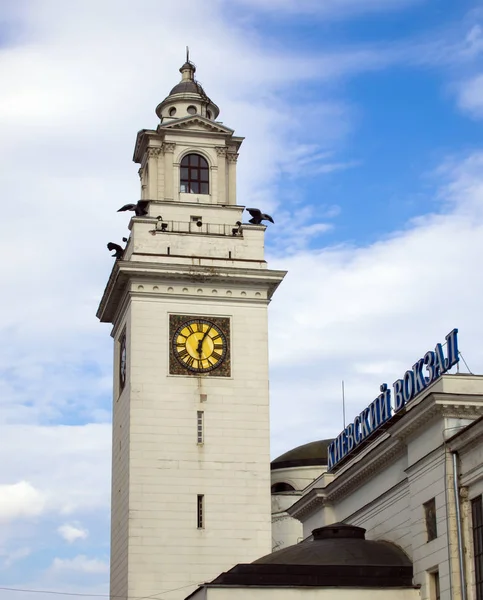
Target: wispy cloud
{"points": [[328, 9], [72, 533], [80, 564]]}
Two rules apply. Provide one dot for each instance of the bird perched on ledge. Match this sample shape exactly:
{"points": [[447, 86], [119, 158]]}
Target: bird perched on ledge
{"points": [[258, 216], [140, 208], [118, 251]]}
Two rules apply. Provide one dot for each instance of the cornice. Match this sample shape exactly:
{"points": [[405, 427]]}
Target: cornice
{"points": [[308, 504], [201, 122], [124, 271], [359, 473]]}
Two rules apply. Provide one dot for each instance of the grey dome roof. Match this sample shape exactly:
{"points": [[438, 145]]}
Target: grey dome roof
{"points": [[339, 544], [338, 556], [313, 453], [187, 87]]}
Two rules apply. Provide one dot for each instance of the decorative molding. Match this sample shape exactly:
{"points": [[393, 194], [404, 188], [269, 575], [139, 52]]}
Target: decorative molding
{"points": [[169, 146], [154, 152], [232, 157], [197, 123], [221, 150], [364, 472]]}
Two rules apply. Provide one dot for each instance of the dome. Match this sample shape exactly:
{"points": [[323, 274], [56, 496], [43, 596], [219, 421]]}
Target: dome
{"points": [[187, 98], [313, 453], [187, 87], [339, 544], [337, 556]]}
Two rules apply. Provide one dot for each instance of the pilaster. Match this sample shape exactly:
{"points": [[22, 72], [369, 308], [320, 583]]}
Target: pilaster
{"points": [[221, 152], [152, 189], [168, 170], [232, 158]]}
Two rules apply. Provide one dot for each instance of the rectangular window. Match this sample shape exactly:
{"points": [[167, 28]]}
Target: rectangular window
{"points": [[201, 511], [434, 593], [199, 427], [477, 518], [430, 517]]}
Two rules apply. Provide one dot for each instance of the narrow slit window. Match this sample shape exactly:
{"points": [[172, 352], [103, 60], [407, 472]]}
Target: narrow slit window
{"points": [[200, 427], [477, 518], [430, 518], [201, 511]]}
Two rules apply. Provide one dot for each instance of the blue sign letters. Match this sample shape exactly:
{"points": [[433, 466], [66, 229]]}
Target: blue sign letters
{"points": [[426, 370]]}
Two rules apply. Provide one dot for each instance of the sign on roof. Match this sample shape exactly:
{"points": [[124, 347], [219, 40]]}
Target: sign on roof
{"points": [[425, 372]]}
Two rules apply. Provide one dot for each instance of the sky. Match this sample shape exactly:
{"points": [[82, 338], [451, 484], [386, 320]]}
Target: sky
{"points": [[363, 139]]}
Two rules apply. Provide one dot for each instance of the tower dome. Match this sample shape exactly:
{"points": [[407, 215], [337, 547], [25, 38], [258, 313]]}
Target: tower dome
{"points": [[187, 98]]}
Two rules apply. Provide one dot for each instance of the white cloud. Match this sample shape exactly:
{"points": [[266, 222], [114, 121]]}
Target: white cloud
{"points": [[470, 96], [80, 564], [20, 500], [72, 533]]}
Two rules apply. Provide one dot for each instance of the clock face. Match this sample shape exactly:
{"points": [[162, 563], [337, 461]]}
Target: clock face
{"points": [[200, 345], [122, 363]]}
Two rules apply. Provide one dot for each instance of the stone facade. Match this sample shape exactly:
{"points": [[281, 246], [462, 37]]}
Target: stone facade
{"points": [[385, 487], [188, 256]]}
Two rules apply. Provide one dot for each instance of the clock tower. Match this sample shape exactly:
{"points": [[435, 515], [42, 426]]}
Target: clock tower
{"points": [[188, 303]]}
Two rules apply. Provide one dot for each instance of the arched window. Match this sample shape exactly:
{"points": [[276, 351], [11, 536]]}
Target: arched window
{"points": [[281, 486], [194, 175]]}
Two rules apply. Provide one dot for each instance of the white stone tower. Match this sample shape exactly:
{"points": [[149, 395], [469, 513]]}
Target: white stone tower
{"points": [[188, 303]]}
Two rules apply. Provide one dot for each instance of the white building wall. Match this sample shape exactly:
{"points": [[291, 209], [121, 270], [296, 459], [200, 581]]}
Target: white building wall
{"points": [[166, 469], [306, 593]]}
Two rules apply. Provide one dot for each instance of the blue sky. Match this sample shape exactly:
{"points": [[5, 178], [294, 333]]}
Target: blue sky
{"points": [[363, 126]]}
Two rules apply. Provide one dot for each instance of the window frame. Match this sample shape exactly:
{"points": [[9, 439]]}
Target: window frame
{"points": [[200, 511], [429, 508], [477, 530], [200, 427], [194, 174]]}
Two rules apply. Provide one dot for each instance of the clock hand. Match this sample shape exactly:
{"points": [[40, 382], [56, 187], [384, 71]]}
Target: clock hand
{"points": [[200, 343]]}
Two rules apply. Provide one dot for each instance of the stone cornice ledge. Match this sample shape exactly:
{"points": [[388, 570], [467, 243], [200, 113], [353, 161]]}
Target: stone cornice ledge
{"points": [[308, 504], [123, 271]]}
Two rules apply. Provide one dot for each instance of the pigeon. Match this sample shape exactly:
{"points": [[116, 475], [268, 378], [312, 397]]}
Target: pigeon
{"points": [[118, 251], [140, 208], [258, 216]]}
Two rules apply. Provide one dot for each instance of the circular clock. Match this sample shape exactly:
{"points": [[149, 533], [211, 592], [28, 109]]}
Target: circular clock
{"points": [[199, 345], [122, 363]]}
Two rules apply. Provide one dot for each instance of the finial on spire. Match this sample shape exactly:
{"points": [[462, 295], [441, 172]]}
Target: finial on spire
{"points": [[187, 53]]}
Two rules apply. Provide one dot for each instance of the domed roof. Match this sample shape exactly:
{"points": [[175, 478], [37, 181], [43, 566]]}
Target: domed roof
{"points": [[187, 87], [338, 544], [313, 453], [339, 555]]}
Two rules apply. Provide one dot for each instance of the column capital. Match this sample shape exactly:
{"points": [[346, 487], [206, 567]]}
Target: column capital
{"points": [[221, 150], [169, 146], [154, 151], [232, 157]]}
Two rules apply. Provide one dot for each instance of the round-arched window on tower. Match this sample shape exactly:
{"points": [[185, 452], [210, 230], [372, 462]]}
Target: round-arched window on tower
{"points": [[172, 111], [192, 110], [194, 175], [208, 114], [281, 486]]}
